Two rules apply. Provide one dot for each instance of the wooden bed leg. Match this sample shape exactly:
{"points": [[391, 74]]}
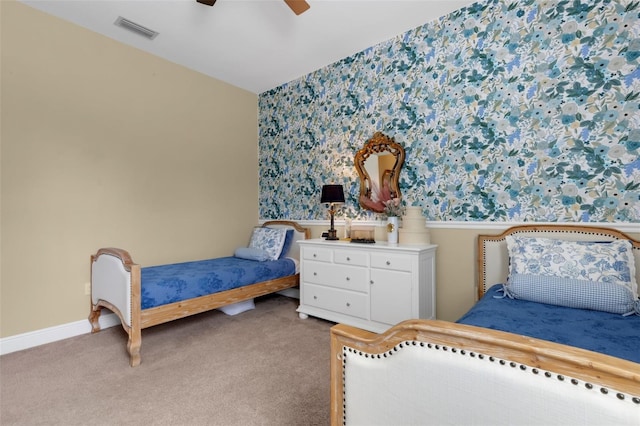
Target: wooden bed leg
{"points": [[94, 318], [133, 347]]}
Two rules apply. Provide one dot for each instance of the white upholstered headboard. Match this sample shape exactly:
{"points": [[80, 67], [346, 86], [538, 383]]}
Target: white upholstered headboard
{"points": [[429, 372], [493, 260]]}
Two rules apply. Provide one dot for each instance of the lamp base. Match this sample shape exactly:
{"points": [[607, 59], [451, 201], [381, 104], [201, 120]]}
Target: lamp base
{"points": [[332, 234]]}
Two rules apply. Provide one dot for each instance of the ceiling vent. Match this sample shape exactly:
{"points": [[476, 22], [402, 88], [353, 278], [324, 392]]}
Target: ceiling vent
{"points": [[136, 28]]}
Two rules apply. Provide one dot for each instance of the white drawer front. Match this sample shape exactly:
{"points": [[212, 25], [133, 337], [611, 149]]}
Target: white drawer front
{"points": [[339, 276], [336, 300], [350, 257], [391, 261], [318, 254]]}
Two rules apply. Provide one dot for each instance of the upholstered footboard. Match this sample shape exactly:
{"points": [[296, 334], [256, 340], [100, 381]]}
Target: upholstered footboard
{"points": [[115, 285], [436, 372]]}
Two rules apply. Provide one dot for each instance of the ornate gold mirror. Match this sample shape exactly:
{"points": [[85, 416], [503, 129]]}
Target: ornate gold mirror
{"points": [[378, 164]]}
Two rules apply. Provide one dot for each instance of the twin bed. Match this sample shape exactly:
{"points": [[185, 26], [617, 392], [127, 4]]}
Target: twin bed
{"points": [[512, 359], [144, 297], [553, 339]]}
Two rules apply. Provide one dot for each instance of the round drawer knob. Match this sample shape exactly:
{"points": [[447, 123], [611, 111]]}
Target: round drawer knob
{"points": [[348, 304], [348, 279], [315, 297], [315, 273], [348, 259], [388, 263], [370, 281], [315, 255]]}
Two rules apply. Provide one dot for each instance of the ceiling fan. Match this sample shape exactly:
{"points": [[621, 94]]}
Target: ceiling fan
{"points": [[298, 6]]}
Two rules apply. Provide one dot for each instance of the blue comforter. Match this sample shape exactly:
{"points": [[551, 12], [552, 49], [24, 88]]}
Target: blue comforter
{"points": [[597, 331], [166, 284]]}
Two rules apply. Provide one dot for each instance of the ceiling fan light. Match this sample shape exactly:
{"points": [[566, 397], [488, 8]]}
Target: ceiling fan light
{"points": [[298, 6]]}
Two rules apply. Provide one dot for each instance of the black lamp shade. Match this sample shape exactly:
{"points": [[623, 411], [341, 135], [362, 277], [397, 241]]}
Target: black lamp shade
{"points": [[332, 194]]}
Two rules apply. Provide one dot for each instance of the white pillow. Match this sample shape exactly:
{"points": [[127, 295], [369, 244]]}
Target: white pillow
{"points": [[271, 240]]}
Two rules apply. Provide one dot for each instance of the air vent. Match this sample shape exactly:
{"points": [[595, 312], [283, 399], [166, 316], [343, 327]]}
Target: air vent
{"points": [[136, 28]]}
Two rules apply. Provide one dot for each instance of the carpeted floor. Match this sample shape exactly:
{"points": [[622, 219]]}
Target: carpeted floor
{"points": [[261, 367]]}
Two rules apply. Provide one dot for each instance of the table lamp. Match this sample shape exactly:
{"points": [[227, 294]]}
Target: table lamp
{"points": [[332, 195]]}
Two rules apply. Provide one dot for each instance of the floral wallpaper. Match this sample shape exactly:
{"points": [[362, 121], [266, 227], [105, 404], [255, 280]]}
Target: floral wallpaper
{"points": [[508, 111]]}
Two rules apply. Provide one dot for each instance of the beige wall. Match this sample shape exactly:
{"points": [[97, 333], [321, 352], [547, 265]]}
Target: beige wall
{"points": [[104, 145]]}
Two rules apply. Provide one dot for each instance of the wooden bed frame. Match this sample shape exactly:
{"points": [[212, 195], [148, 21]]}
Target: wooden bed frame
{"points": [[438, 372], [115, 285]]}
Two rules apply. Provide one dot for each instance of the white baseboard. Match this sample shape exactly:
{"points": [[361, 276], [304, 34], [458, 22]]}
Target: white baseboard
{"points": [[53, 334], [60, 332]]}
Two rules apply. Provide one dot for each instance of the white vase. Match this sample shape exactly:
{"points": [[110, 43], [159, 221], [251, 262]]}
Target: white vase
{"points": [[392, 230]]}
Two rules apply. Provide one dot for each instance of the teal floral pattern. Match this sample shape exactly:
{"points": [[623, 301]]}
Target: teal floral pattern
{"points": [[508, 111]]}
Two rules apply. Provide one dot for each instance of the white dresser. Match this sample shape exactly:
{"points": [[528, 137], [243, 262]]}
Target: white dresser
{"points": [[370, 286]]}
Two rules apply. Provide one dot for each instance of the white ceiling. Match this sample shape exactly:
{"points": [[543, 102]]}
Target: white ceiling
{"points": [[253, 44]]}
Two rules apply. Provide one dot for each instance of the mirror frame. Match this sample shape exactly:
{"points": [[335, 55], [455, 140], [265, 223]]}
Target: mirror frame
{"points": [[379, 143]]}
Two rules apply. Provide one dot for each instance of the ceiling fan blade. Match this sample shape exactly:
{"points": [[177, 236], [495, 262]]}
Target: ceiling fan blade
{"points": [[298, 6], [207, 2]]}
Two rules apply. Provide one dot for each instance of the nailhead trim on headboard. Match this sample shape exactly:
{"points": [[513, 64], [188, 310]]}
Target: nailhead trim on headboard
{"points": [[349, 352]]}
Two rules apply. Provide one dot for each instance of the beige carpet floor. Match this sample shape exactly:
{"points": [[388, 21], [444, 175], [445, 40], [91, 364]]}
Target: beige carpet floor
{"points": [[262, 367]]}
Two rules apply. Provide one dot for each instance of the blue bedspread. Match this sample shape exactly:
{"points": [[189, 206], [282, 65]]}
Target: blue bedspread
{"points": [[597, 331], [181, 281]]}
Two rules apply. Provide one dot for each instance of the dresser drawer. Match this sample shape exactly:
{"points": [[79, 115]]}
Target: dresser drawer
{"points": [[336, 300], [318, 254], [351, 257], [370, 286], [346, 277], [391, 261]]}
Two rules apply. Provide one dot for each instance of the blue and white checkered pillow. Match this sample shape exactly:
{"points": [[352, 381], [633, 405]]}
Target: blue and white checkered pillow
{"points": [[578, 274], [271, 240], [582, 294]]}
